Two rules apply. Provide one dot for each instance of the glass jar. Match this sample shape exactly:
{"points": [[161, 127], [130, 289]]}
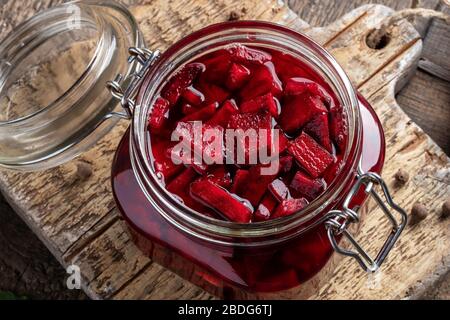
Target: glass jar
{"points": [[288, 257], [263, 259], [53, 102]]}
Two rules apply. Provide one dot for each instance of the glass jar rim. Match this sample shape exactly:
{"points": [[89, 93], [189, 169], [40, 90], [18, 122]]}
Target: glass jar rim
{"points": [[214, 230]]}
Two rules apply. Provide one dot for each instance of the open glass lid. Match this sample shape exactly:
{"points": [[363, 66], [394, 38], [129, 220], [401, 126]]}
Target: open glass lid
{"points": [[54, 103]]}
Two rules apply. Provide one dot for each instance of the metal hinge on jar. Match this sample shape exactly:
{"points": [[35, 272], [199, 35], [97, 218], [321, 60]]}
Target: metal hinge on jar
{"points": [[339, 220], [126, 90]]}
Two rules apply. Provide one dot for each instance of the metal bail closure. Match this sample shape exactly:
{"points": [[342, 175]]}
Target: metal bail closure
{"points": [[126, 90], [339, 220]]}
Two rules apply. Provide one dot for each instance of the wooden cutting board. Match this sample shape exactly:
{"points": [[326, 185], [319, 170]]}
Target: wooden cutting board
{"points": [[79, 223]]}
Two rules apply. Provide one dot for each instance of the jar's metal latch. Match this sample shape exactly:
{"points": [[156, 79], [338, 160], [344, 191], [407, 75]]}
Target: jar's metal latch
{"points": [[126, 89], [338, 221]]}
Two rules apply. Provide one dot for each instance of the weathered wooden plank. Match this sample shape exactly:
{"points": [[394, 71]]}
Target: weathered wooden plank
{"points": [[322, 13]]}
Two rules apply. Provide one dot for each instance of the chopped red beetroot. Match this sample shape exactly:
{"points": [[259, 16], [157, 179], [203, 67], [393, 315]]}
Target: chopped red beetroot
{"points": [[263, 80], [193, 96], [222, 116], [239, 87], [289, 207], [237, 76], [187, 108], [339, 128], [219, 199], [218, 67], [318, 129], [163, 165], [266, 102], [220, 177], [265, 208], [283, 142], [202, 114], [286, 163], [333, 170], [180, 184], [299, 110], [213, 92], [306, 186], [203, 144], [158, 114], [243, 54], [279, 190], [239, 181], [245, 121], [296, 86], [180, 187], [200, 168], [183, 79], [251, 123], [310, 155], [258, 180], [287, 67]]}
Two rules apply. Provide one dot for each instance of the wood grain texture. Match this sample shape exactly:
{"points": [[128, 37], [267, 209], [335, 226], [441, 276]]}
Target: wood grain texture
{"points": [[78, 220]]}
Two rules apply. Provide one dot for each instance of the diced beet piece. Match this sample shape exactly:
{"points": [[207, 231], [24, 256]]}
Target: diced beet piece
{"points": [[180, 184], [193, 96], [162, 164], [201, 168], [287, 67], [339, 128], [245, 121], [220, 177], [297, 86], [180, 187], [263, 80], [255, 122], [213, 92], [310, 155], [203, 147], [265, 208], [219, 199], [289, 207], [218, 66], [180, 81], [279, 190], [319, 130], [333, 170], [243, 54], [158, 114], [202, 114], [299, 110], [257, 183], [237, 76], [266, 102], [283, 142], [222, 116], [286, 163], [239, 181], [306, 186], [187, 108]]}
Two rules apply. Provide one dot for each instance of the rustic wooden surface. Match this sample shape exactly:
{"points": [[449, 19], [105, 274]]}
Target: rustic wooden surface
{"points": [[78, 221]]}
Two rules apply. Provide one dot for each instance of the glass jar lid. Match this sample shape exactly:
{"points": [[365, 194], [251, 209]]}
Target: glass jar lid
{"points": [[54, 103]]}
